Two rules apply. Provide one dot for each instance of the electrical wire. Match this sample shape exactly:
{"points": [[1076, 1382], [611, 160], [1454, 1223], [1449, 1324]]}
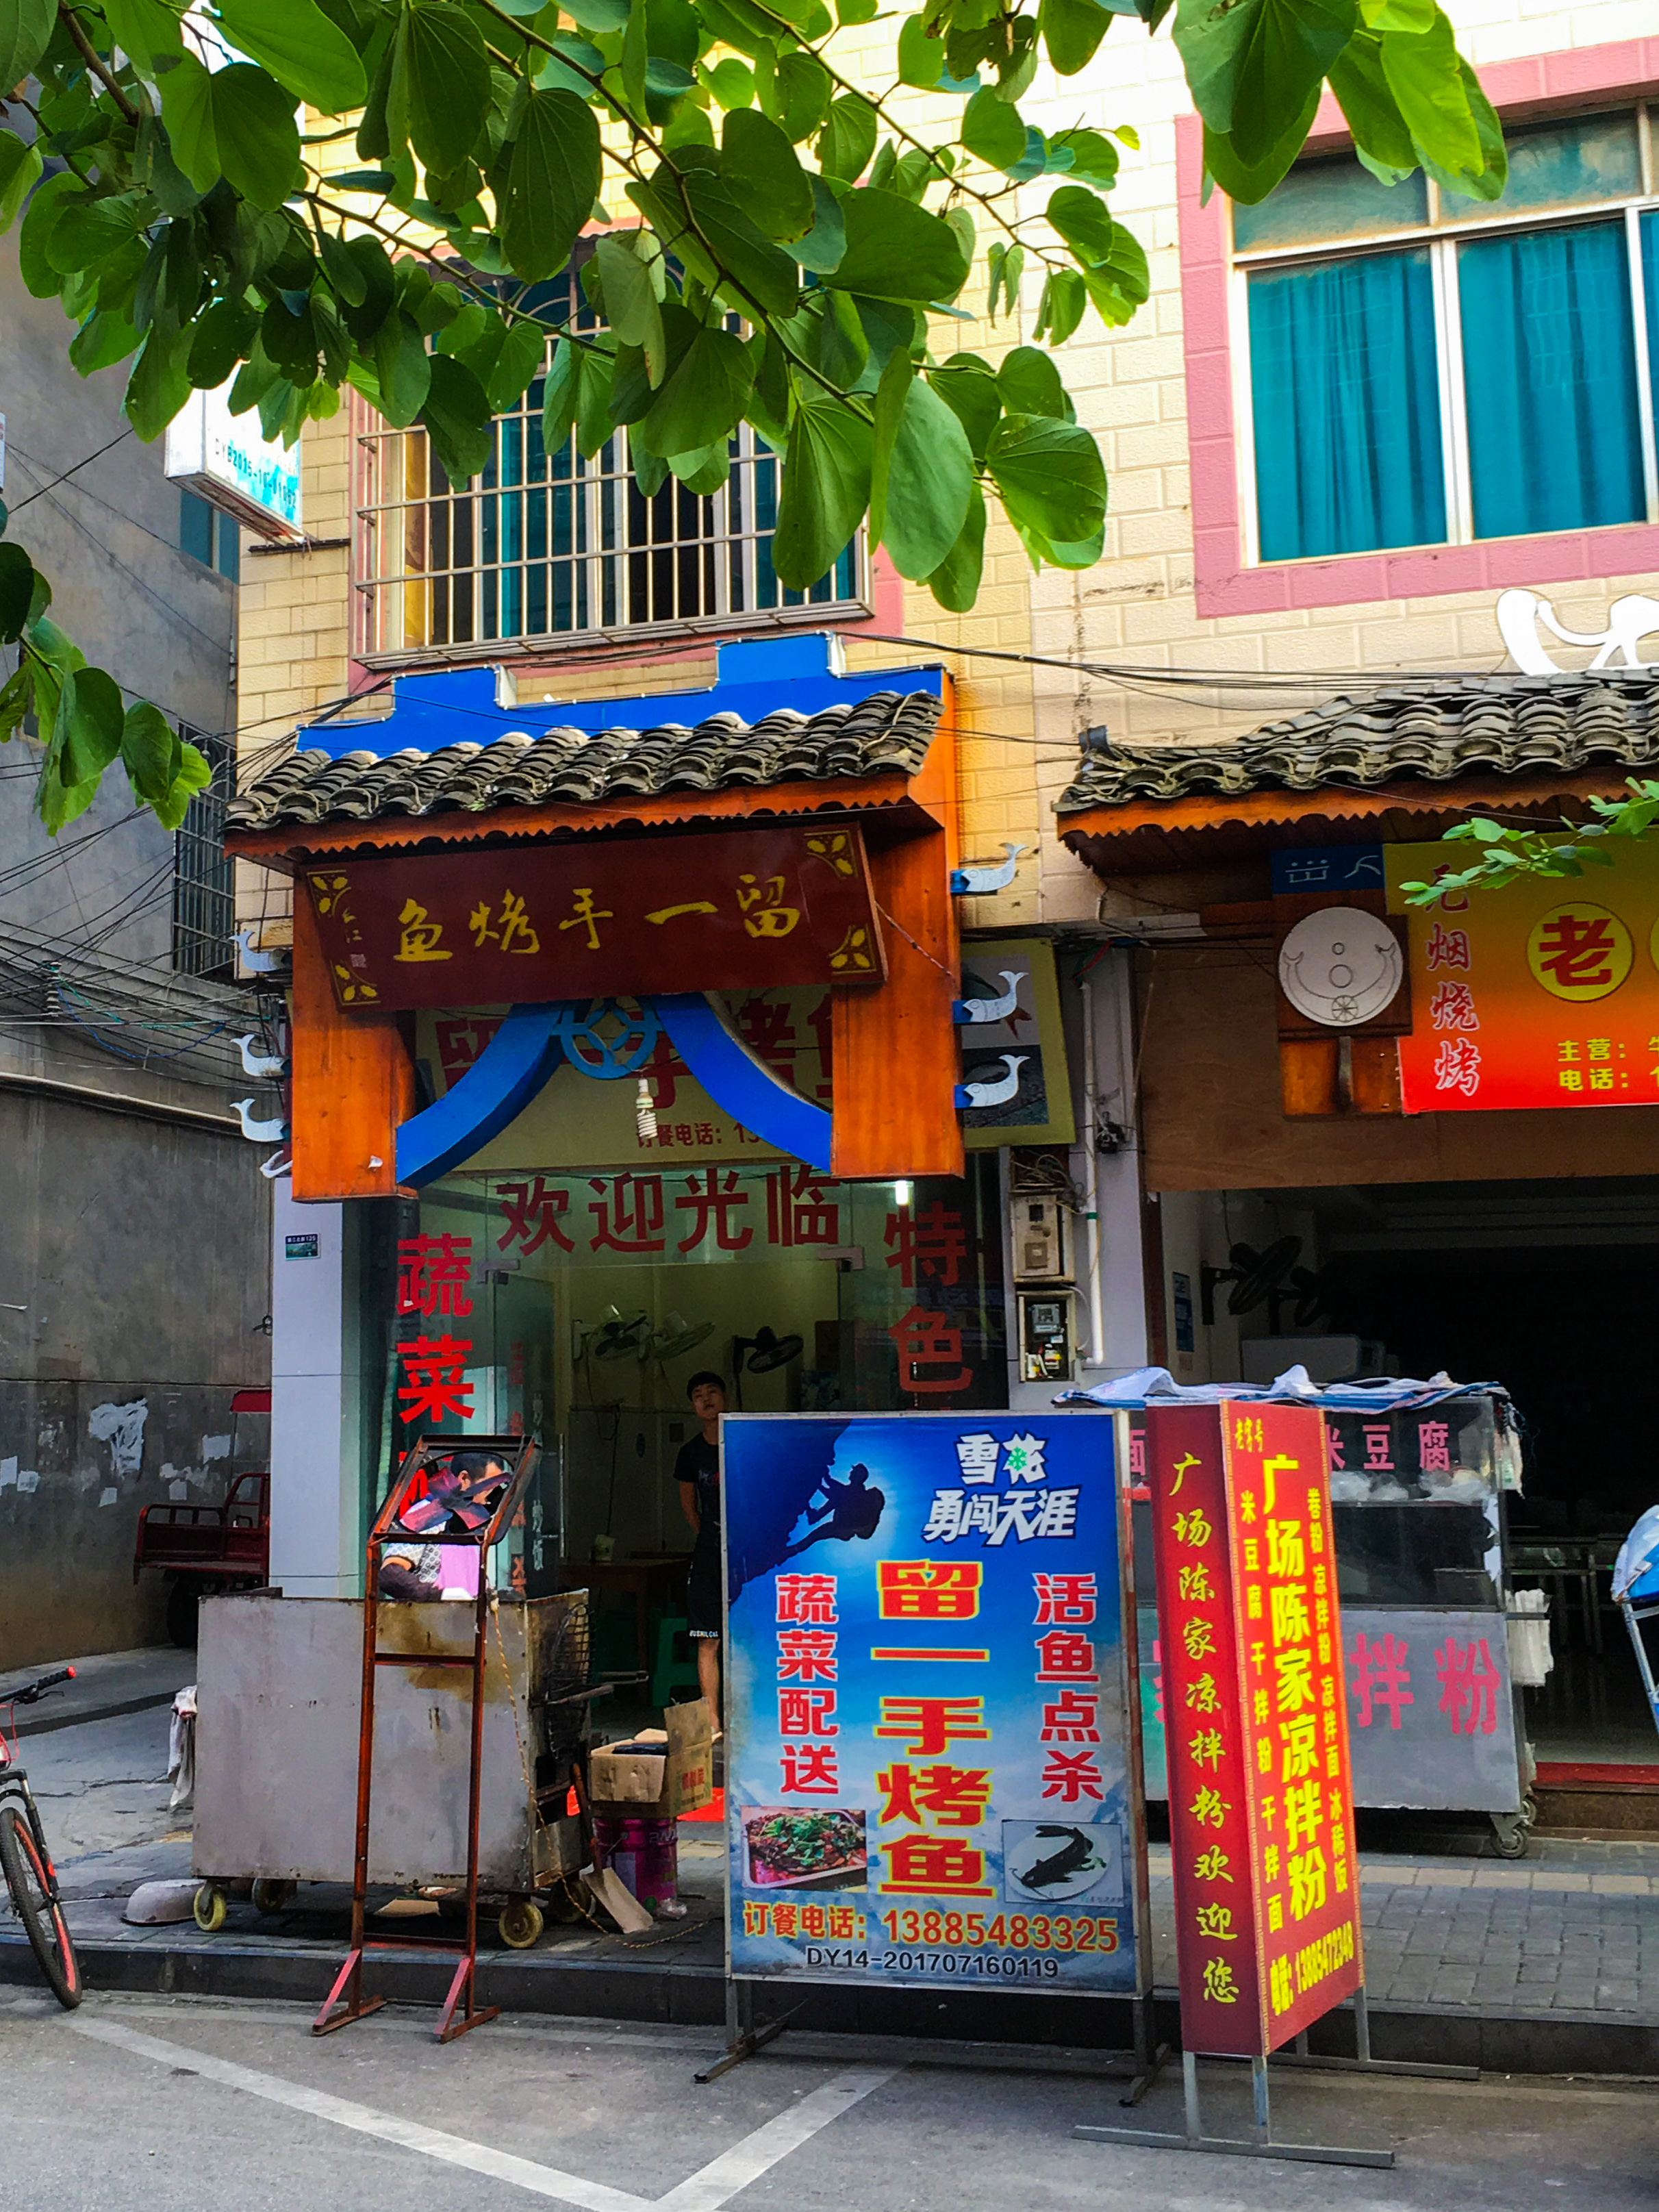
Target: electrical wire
{"points": [[63, 474]]}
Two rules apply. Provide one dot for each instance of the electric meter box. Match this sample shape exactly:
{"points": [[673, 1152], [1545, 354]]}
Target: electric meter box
{"points": [[1042, 1241]]}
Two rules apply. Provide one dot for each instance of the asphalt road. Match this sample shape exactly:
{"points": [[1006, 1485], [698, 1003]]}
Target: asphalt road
{"points": [[181, 2106]]}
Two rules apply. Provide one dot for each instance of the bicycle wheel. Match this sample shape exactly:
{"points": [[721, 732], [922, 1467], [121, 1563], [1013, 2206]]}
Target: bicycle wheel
{"points": [[41, 1915]]}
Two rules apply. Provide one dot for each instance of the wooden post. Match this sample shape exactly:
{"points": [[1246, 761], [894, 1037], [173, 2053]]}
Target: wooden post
{"points": [[353, 1082]]}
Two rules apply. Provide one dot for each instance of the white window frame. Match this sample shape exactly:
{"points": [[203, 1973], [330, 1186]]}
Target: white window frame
{"points": [[1443, 237]]}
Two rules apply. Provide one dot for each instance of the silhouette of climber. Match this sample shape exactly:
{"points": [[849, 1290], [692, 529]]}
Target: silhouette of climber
{"points": [[852, 1508]]}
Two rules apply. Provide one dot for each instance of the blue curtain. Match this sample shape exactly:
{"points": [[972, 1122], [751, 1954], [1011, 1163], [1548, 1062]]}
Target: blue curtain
{"points": [[1549, 371], [1346, 407], [1650, 286]]}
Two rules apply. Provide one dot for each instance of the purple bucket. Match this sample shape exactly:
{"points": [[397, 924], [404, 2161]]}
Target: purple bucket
{"points": [[645, 1855]]}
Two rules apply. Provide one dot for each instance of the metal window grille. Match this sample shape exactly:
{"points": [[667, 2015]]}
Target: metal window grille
{"points": [[556, 545], [203, 902]]}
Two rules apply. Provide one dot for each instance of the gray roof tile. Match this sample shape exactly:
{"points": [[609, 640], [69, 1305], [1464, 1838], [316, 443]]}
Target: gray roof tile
{"points": [[1433, 731], [889, 732]]}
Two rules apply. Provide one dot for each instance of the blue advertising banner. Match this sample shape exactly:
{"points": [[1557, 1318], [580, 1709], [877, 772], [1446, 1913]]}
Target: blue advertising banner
{"points": [[931, 1742]]}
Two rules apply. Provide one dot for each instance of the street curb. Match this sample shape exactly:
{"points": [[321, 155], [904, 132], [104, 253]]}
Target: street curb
{"points": [[695, 1996]]}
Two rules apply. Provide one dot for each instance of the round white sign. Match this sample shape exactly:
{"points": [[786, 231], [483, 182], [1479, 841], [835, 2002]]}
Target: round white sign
{"points": [[1340, 966]]}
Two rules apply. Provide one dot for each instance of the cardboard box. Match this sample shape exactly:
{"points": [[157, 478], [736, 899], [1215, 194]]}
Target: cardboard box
{"points": [[642, 1781]]}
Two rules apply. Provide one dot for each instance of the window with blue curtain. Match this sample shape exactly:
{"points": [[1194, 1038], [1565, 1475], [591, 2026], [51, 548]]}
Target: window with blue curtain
{"points": [[1346, 409], [1549, 373]]}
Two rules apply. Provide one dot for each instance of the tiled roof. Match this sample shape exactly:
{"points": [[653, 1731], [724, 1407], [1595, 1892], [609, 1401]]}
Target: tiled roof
{"points": [[1431, 730], [888, 732]]}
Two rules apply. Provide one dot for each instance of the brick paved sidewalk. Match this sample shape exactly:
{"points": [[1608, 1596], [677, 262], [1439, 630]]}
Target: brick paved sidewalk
{"points": [[1574, 1927]]}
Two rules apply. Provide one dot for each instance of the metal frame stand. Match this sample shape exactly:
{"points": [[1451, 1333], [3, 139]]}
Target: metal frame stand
{"points": [[1262, 2144], [345, 2002], [745, 2040]]}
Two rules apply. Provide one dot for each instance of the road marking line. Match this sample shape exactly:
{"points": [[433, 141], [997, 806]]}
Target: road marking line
{"points": [[453, 2150], [706, 2190], [723, 2177]]}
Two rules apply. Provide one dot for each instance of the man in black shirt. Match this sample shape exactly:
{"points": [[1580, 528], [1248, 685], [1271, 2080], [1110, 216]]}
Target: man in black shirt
{"points": [[697, 1471]]}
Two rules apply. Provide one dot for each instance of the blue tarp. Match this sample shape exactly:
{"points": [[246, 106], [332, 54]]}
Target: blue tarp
{"points": [[1295, 1387], [1636, 1570]]}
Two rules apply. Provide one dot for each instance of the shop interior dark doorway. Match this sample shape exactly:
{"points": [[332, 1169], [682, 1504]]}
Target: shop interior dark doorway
{"points": [[1552, 1290]]}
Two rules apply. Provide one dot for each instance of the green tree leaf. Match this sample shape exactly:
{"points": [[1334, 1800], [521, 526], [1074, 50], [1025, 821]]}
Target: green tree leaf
{"points": [[236, 123], [1082, 222], [440, 86], [306, 53], [1071, 30], [930, 483], [706, 390], [897, 250], [993, 130], [404, 369], [193, 772], [149, 752], [760, 165], [1120, 284], [1028, 383], [848, 139], [552, 181], [87, 733], [696, 218], [19, 172], [892, 389], [967, 387], [631, 304], [1421, 68], [456, 415], [1381, 135], [1251, 64], [955, 582], [26, 29], [803, 94], [921, 57], [160, 383], [148, 32], [16, 591], [826, 489], [1049, 475], [1251, 182], [1087, 154]]}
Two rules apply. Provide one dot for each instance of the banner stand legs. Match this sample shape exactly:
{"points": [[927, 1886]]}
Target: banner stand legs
{"points": [[742, 2038], [1363, 2062], [1262, 2144], [745, 2040]]}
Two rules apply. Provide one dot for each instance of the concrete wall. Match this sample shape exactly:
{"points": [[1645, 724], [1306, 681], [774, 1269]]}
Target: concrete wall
{"points": [[136, 1248], [133, 1234]]}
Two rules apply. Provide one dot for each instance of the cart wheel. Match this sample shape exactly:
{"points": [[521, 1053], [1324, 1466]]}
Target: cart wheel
{"points": [[273, 1894], [520, 1924], [211, 1907], [1512, 1831]]}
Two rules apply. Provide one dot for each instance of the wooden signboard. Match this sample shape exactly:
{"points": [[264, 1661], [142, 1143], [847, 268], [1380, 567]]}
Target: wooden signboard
{"points": [[1261, 1805], [753, 909]]}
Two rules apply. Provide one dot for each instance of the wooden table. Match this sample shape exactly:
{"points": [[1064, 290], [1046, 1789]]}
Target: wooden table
{"points": [[651, 1578]]}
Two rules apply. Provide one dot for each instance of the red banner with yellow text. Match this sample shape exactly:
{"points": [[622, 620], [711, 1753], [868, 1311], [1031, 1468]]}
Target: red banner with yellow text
{"points": [[1261, 1805]]}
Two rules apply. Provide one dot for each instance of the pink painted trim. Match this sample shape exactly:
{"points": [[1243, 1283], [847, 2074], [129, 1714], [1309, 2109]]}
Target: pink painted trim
{"points": [[1223, 585]]}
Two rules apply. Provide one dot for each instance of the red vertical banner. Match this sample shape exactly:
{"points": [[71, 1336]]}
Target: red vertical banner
{"points": [[1261, 1802]]}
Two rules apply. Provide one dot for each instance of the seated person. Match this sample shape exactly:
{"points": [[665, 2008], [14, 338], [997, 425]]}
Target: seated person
{"points": [[410, 1572]]}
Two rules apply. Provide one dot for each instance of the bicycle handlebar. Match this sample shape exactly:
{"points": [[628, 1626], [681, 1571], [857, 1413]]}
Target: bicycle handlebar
{"points": [[27, 1695]]}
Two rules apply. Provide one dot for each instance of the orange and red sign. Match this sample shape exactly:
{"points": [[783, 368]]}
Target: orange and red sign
{"points": [[1544, 992], [1260, 1807], [749, 910]]}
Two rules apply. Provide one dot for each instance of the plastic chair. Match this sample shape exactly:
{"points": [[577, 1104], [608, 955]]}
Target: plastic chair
{"points": [[673, 1661]]}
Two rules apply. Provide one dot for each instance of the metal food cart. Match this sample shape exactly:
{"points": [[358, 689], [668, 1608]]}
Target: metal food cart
{"points": [[279, 1705]]}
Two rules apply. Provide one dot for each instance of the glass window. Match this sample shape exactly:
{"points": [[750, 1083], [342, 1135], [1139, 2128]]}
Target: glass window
{"points": [[1347, 406], [1594, 157], [1337, 198], [1549, 371], [230, 550]]}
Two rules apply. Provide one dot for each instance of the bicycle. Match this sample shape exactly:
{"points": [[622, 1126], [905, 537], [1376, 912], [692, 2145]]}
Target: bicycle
{"points": [[26, 1863]]}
